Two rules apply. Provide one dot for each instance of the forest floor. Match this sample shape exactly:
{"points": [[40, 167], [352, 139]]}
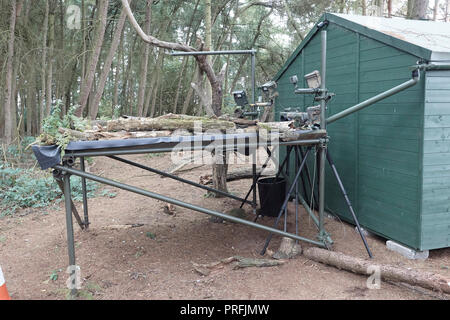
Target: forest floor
{"points": [[155, 260]]}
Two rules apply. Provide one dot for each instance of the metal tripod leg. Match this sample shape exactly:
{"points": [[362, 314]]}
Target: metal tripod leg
{"points": [[308, 177], [280, 171], [84, 190], [59, 180], [258, 176], [70, 238], [349, 204], [283, 207]]}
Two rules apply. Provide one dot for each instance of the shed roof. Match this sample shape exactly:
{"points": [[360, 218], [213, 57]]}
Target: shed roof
{"points": [[429, 40]]}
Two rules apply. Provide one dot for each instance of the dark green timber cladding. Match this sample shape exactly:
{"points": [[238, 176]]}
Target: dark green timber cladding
{"points": [[436, 162], [379, 151]]}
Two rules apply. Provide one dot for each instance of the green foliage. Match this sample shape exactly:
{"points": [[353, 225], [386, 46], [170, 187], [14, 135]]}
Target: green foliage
{"points": [[54, 275], [51, 124], [25, 188], [18, 153], [150, 235]]}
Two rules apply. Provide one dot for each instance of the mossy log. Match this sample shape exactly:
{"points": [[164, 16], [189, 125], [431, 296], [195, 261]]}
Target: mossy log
{"points": [[89, 135], [170, 122]]}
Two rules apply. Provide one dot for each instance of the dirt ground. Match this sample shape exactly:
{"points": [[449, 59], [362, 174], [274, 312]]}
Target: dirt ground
{"points": [[154, 261]]}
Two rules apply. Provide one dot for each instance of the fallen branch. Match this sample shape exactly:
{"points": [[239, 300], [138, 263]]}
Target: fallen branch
{"points": [[241, 262], [422, 279]]}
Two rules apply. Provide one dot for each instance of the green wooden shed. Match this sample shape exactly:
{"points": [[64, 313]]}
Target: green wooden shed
{"points": [[394, 156]]}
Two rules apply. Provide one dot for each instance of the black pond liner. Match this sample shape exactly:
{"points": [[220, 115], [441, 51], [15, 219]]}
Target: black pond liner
{"points": [[272, 192]]}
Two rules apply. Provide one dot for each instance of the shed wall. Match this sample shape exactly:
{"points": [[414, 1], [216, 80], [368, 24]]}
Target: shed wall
{"points": [[377, 151], [436, 162]]}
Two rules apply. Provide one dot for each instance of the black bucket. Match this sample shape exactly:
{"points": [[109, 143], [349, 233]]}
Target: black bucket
{"points": [[272, 192]]}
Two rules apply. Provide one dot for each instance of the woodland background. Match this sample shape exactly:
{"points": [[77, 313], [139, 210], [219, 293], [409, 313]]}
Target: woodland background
{"points": [[85, 54]]}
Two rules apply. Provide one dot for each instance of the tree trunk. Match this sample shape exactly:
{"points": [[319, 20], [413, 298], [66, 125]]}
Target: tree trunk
{"points": [[185, 62], [107, 65], [30, 103], [149, 95], [126, 75], [417, 9], [379, 7], [435, 9], [208, 47], [144, 67], [341, 6], [51, 38], [157, 82], [292, 21], [190, 93], [447, 6], [42, 102], [219, 172], [100, 31], [9, 66], [364, 7]]}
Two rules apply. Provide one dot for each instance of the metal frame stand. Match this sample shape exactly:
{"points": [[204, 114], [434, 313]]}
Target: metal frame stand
{"points": [[62, 174]]}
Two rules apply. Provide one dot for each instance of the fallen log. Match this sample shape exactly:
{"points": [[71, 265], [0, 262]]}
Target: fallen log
{"points": [[170, 122], [339, 260], [238, 174], [89, 135]]}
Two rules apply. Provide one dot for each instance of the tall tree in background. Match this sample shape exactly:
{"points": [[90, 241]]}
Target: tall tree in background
{"points": [[51, 43], [216, 81], [42, 103], [90, 72], [435, 9], [417, 9], [8, 106], [446, 14], [107, 66], [146, 53]]}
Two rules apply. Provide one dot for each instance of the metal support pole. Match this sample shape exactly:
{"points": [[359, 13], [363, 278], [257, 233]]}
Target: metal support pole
{"points": [[296, 190], [209, 53], [133, 150], [323, 146], [288, 163], [58, 178], [253, 76], [308, 176], [379, 97], [192, 183], [349, 204], [291, 188], [183, 204], [69, 227], [84, 190], [259, 174], [254, 181]]}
